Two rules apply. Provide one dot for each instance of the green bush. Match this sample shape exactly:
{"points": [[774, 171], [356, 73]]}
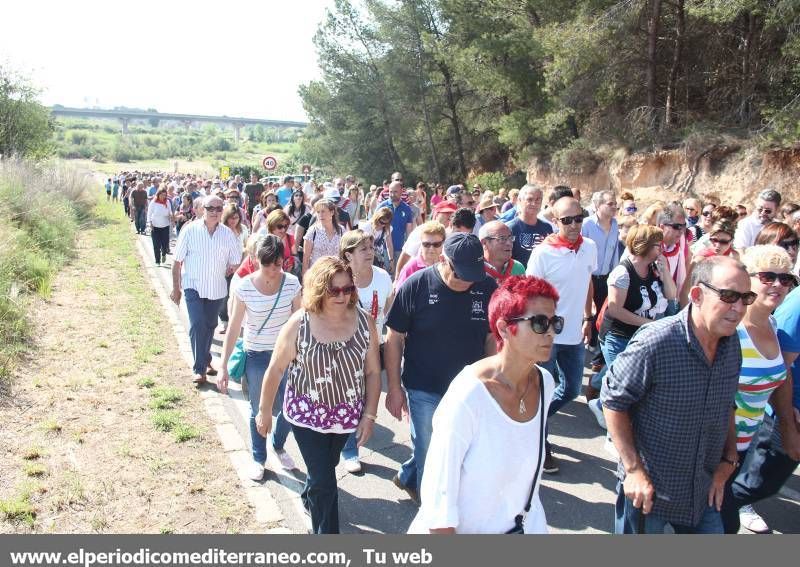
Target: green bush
{"points": [[43, 207], [492, 181]]}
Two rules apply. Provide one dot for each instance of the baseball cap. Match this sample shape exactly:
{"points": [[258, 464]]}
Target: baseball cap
{"points": [[445, 207], [332, 194], [453, 189], [466, 256], [486, 204]]}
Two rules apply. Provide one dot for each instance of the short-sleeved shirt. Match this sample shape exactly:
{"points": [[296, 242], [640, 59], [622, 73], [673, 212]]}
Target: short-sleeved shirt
{"points": [[526, 238], [680, 407], [445, 329], [206, 257], [323, 245], [747, 231], [258, 306], [402, 216], [253, 192], [373, 297], [787, 317], [138, 197], [570, 272]]}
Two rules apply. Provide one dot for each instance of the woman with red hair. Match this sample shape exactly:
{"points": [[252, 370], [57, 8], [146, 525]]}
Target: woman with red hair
{"points": [[488, 431]]}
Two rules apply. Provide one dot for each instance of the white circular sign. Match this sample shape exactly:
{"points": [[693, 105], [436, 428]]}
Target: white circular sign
{"points": [[269, 163]]}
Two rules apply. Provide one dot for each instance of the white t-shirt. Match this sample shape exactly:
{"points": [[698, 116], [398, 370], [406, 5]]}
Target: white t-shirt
{"points": [[381, 285], [480, 464], [746, 232], [413, 242], [258, 307], [570, 274]]}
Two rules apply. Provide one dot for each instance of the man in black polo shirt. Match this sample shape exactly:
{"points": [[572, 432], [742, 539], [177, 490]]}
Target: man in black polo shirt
{"points": [[438, 324]]}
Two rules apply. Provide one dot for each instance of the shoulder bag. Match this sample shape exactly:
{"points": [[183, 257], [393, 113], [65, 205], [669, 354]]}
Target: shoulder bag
{"points": [[519, 520], [238, 358]]}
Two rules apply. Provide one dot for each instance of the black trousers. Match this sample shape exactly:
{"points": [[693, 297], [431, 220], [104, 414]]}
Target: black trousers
{"points": [[160, 238]]}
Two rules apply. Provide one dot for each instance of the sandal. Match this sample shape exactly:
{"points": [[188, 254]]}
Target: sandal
{"points": [[199, 379], [211, 371]]}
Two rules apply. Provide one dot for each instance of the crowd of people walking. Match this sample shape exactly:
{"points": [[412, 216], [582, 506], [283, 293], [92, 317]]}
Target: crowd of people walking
{"points": [[482, 308]]}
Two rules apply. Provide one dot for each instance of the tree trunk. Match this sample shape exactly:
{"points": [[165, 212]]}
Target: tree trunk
{"points": [[750, 25], [451, 104], [680, 27], [652, 45]]}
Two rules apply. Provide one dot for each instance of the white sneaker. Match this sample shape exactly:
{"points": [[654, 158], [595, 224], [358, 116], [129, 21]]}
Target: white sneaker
{"points": [[597, 412], [286, 460], [255, 471], [750, 519], [353, 466]]}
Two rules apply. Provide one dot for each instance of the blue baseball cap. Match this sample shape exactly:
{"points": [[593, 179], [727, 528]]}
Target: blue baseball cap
{"points": [[465, 253]]}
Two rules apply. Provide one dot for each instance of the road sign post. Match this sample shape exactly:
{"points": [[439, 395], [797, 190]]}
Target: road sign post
{"points": [[269, 163]]}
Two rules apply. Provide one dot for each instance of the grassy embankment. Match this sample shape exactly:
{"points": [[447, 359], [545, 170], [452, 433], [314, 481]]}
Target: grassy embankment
{"points": [[42, 209]]}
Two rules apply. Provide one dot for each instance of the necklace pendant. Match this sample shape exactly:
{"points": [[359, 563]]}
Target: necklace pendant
{"points": [[522, 408]]}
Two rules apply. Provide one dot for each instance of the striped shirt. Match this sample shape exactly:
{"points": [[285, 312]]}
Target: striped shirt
{"points": [[206, 257], [325, 386], [759, 377], [258, 306]]}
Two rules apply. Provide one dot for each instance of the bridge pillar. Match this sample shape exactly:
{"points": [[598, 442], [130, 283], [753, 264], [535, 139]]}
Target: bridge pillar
{"points": [[124, 125], [237, 132]]}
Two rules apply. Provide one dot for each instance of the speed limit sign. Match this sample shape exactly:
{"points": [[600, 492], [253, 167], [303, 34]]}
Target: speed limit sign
{"points": [[269, 163]]}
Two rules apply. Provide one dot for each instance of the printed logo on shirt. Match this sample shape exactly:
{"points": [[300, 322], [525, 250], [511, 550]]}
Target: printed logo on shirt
{"points": [[530, 240], [478, 313], [433, 299]]}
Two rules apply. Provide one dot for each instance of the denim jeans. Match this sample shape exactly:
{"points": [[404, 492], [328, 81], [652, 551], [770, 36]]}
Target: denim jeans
{"points": [[765, 469], [223, 311], [350, 449], [421, 406], [160, 237], [321, 493], [611, 345], [202, 322], [140, 219], [256, 364], [566, 365], [626, 519]]}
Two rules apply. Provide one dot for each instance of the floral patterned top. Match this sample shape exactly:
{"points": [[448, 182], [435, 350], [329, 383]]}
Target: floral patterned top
{"points": [[325, 385]]}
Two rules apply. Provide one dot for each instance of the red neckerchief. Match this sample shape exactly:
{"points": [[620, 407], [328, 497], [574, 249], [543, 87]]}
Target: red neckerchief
{"points": [[558, 241], [669, 254], [247, 268], [708, 252], [499, 276], [160, 201]]}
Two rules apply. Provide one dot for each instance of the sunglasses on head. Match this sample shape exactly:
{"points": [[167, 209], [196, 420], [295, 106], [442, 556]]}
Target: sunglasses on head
{"points": [[541, 323], [566, 221], [732, 296], [437, 244], [337, 291], [213, 209], [786, 280], [720, 241]]}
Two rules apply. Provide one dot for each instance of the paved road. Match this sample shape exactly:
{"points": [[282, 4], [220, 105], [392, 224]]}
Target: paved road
{"points": [[578, 499]]}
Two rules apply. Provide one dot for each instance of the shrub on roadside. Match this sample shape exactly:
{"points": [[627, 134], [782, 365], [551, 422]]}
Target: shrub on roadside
{"points": [[43, 206]]}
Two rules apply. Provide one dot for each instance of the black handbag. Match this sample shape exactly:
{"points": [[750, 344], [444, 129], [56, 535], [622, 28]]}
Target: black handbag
{"points": [[519, 519]]}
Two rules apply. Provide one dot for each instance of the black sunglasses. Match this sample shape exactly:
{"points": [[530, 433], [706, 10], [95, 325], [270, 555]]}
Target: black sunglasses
{"points": [[707, 213], [213, 209], [720, 241], [786, 244], [732, 296], [768, 278], [566, 221], [675, 225], [432, 244], [541, 323]]}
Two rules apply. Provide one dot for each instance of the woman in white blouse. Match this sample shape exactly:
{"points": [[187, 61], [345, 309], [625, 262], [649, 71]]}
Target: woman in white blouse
{"points": [[484, 462]]}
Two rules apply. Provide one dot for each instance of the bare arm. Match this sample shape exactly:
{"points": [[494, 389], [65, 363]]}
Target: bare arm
{"points": [[615, 309], [587, 313], [372, 379], [175, 296], [308, 249], [234, 328], [392, 354], [637, 484], [402, 260]]}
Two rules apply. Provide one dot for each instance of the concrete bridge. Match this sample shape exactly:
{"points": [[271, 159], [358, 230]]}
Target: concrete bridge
{"points": [[125, 116]]}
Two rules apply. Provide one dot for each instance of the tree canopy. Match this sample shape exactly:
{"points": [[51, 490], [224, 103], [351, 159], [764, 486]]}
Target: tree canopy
{"points": [[441, 88], [25, 125]]}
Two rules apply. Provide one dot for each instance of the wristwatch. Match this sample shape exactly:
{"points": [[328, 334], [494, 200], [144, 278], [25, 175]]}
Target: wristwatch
{"points": [[732, 462]]}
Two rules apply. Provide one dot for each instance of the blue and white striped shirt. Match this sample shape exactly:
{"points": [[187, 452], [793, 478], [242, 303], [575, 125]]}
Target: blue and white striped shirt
{"points": [[206, 257]]}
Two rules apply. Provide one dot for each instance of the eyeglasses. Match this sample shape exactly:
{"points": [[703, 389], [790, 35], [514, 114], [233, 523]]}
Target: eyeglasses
{"points": [[502, 239], [676, 225], [432, 244], [566, 221], [786, 280], [213, 209], [281, 226], [760, 210], [337, 291], [541, 323], [720, 241], [732, 296], [707, 213], [786, 244]]}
